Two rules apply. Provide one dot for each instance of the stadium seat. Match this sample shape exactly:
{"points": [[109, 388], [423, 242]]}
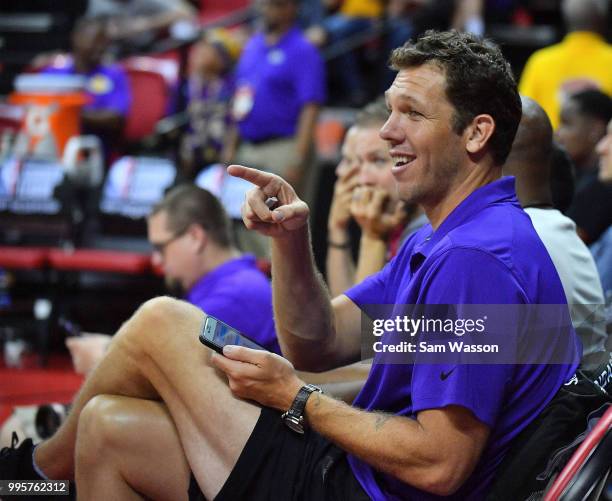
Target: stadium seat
{"points": [[23, 258], [588, 467], [149, 103], [213, 10], [99, 260]]}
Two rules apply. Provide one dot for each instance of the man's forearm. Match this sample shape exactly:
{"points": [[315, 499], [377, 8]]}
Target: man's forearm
{"points": [[429, 459], [302, 308]]}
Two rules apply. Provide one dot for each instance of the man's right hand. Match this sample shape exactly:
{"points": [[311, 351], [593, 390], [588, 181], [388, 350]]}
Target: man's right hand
{"points": [[291, 213]]}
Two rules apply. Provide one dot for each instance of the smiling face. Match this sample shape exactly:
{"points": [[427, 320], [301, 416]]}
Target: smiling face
{"points": [[427, 154]]}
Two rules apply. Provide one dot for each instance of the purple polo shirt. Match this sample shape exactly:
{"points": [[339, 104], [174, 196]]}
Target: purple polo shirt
{"points": [[107, 86], [240, 295], [274, 82], [486, 252]]}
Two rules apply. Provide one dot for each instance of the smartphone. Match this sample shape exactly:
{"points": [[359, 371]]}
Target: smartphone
{"points": [[217, 334]]}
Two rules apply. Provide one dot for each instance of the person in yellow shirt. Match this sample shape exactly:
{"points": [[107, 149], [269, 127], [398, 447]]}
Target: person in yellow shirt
{"points": [[582, 60]]}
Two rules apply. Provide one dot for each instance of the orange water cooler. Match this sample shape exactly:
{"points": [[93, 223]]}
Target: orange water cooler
{"points": [[52, 105]]}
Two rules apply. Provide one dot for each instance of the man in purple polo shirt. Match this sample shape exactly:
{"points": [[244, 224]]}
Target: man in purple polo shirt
{"points": [[416, 431], [190, 234], [280, 85], [106, 85]]}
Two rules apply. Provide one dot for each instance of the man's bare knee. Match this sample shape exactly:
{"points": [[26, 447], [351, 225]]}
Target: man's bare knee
{"points": [[97, 429], [155, 322]]}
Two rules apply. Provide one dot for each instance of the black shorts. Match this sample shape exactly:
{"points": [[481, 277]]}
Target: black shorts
{"points": [[279, 464]]}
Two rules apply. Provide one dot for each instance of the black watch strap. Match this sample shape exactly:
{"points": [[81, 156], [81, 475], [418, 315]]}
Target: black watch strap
{"points": [[294, 417]]}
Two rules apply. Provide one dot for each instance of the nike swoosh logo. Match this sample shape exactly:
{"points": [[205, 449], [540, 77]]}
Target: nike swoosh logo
{"points": [[444, 375]]}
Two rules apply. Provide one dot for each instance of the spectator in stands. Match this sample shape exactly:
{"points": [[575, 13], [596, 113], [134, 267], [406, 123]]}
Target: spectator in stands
{"points": [[581, 61], [209, 89], [602, 249], [353, 17], [415, 430], [584, 117], [106, 84], [411, 18], [135, 24], [406, 19], [280, 86], [530, 162], [310, 13], [190, 235], [583, 123], [367, 193]]}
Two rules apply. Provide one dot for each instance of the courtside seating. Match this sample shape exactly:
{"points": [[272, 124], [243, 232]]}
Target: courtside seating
{"points": [[30, 211], [132, 186], [589, 468], [110, 274]]}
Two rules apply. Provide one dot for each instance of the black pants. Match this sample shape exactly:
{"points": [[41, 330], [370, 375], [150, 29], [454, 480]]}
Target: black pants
{"points": [[279, 464]]}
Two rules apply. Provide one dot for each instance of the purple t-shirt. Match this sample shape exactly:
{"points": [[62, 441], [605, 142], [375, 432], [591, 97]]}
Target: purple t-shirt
{"points": [[274, 82], [107, 86], [485, 252], [240, 295]]}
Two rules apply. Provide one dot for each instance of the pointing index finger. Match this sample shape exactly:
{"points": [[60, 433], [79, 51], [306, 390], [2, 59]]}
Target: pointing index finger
{"points": [[255, 176]]}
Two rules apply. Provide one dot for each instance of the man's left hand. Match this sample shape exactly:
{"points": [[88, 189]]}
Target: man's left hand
{"points": [[261, 376]]}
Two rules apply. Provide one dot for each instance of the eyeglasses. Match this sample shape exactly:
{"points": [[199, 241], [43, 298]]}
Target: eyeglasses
{"points": [[160, 247]]}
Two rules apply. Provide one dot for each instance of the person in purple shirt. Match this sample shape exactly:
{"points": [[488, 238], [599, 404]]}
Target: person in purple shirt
{"points": [[189, 232], [106, 84], [416, 431], [280, 85], [190, 235]]}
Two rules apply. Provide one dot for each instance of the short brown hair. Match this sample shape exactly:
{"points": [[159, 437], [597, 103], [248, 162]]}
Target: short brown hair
{"points": [[478, 80], [188, 204], [373, 114]]}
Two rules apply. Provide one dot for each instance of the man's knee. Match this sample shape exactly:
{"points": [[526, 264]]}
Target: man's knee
{"points": [[157, 320], [98, 429]]}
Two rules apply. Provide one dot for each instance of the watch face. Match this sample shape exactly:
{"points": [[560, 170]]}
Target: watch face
{"points": [[294, 424]]}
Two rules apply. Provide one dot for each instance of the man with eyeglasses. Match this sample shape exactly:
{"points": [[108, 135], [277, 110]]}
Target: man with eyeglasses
{"points": [[189, 232]]}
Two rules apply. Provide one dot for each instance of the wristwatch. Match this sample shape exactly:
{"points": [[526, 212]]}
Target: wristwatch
{"points": [[294, 417]]}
